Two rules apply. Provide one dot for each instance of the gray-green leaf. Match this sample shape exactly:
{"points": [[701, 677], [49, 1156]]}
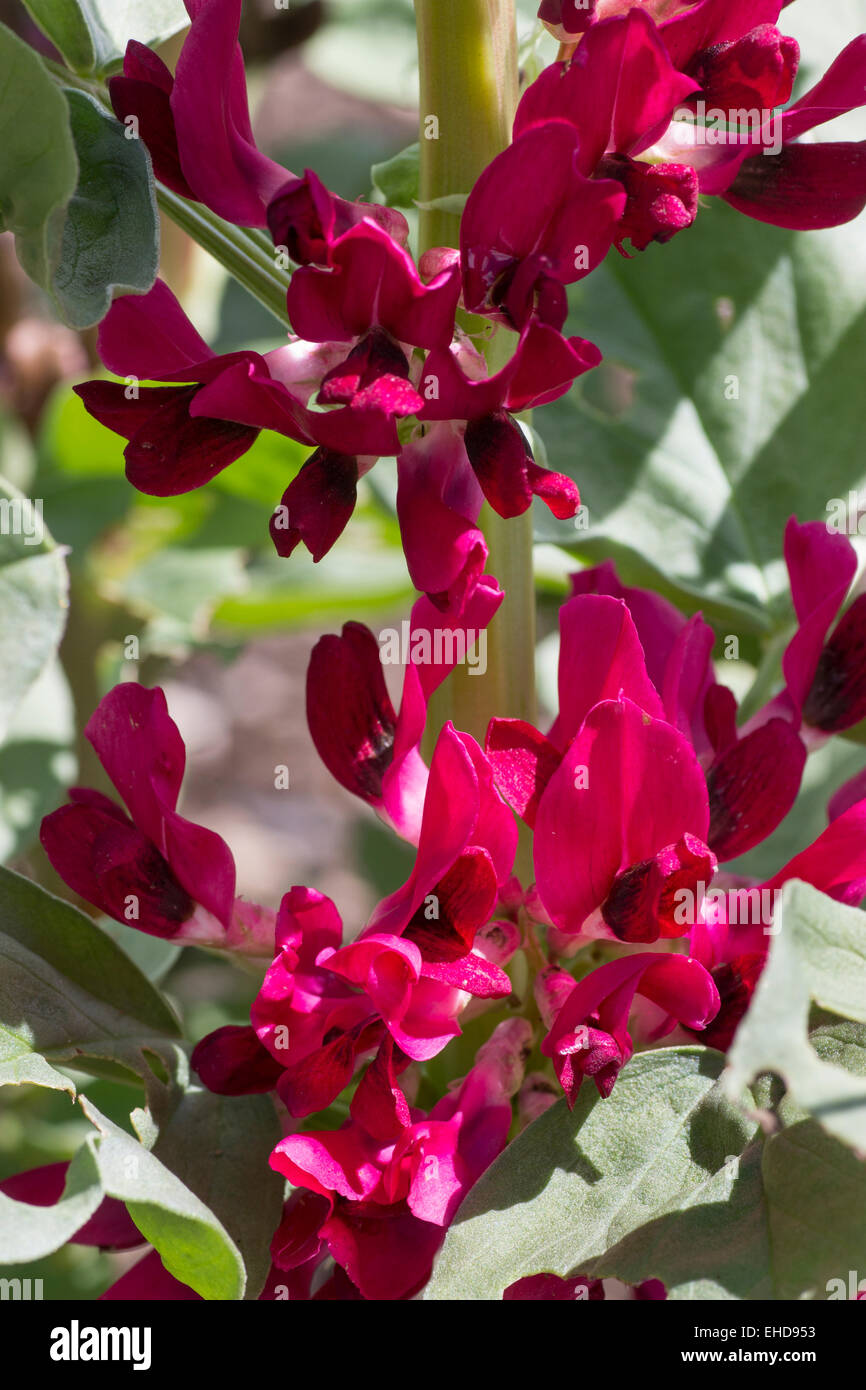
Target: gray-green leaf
{"points": [[817, 954], [576, 1182]]}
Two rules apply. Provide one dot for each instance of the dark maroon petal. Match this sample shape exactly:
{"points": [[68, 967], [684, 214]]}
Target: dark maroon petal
{"points": [[140, 747], [111, 1227], [837, 699], [173, 452], [108, 402], [150, 103], [306, 218], [662, 199], [755, 71], [735, 981], [618, 90], [297, 1239], [203, 864], [641, 904], [465, 899], [752, 787], [312, 1083], [386, 1251], [720, 717], [149, 1280], [804, 186], [379, 1105], [550, 1288], [349, 712], [232, 1062], [523, 762], [317, 504], [375, 375], [116, 868], [509, 478]]}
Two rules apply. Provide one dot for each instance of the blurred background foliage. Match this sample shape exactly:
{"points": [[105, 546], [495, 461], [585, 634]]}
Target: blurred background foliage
{"points": [[686, 492]]}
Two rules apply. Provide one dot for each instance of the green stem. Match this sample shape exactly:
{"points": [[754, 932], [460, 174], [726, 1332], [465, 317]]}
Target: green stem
{"points": [[243, 256], [468, 61], [467, 52]]}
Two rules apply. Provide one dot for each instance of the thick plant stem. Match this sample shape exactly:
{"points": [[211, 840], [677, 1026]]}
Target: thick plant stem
{"points": [[467, 53], [468, 61]]}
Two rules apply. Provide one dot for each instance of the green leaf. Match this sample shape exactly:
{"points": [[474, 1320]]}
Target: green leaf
{"points": [[575, 1182], [781, 1222], [37, 761], [38, 165], [68, 992], [817, 954], [219, 1147], [33, 598], [193, 1245], [92, 34], [28, 1232], [678, 476], [111, 235], [397, 179]]}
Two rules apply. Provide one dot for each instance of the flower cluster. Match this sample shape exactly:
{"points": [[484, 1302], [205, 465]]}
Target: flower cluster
{"points": [[611, 146], [640, 793], [635, 925]]}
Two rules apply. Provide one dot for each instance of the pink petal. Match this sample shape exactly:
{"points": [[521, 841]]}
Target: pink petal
{"points": [[600, 658]]}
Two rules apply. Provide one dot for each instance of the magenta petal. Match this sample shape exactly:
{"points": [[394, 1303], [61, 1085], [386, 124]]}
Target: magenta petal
{"points": [[465, 897], [628, 786], [386, 1251], [821, 566], [107, 402], [542, 368], [840, 90], [662, 199], [509, 478], [307, 219], [379, 1105], [683, 988], [523, 762], [516, 251], [450, 815], [619, 87], [144, 91], [373, 283], [495, 829], [479, 611], [551, 1288], [752, 787], [804, 187], [172, 452], [150, 1280], [477, 976], [139, 745], [438, 500], [313, 1082], [232, 1062], [150, 336], [600, 658], [317, 504], [848, 795], [645, 900], [837, 695], [112, 865], [835, 863], [350, 715], [218, 155]]}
